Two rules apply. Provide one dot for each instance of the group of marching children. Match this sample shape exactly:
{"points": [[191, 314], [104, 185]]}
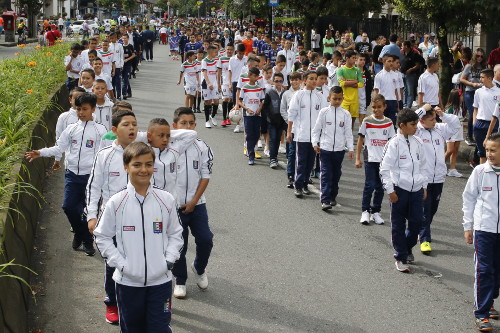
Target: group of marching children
{"points": [[137, 194]]}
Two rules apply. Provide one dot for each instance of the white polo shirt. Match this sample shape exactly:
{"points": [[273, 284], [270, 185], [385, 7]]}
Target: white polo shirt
{"points": [[428, 84], [485, 100], [235, 66], [386, 83]]}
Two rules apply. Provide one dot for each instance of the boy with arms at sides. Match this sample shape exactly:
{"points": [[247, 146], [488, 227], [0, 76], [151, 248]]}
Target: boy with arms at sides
{"points": [[350, 79], [332, 132], [106, 179], [193, 175], [108, 59], [142, 260], [189, 71], [386, 85], [225, 83], [302, 114], [102, 113], [210, 86], [97, 65], [403, 173], [295, 83], [373, 135], [251, 99], [365, 92], [480, 207], [81, 141], [332, 67], [276, 124]]}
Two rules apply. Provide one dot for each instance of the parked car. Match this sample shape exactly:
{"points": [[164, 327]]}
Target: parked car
{"points": [[77, 26]]}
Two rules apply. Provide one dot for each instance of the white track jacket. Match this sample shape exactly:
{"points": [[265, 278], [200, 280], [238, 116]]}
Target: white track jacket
{"points": [[303, 112], [481, 198], [404, 164], [80, 141], [148, 234], [333, 129]]}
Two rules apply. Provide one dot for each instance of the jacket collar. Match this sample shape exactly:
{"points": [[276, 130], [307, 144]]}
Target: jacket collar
{"points": [[132, 191]]}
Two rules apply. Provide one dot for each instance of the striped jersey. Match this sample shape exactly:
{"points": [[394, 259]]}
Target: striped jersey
{"points": [[252, 96], [313, 67], [190, 70], [377, 133], [210, 66], [223, 65], [107, 58], [243, 79], [198, 68]]}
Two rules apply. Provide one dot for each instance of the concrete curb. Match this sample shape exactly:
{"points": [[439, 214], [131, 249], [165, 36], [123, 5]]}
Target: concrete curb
{"points": [[18, 225], [12, 44]]}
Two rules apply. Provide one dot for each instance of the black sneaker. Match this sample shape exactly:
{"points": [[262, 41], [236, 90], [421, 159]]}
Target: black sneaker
{"points": [[76, 243], [310, 181], [290, 183], [410, 259], [306, 191], [88, 248], [333, 203], [298, 193], [483, 324], [326, 206], [470, 141]]}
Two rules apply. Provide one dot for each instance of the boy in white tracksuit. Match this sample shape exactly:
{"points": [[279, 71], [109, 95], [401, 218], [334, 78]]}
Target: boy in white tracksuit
{"points": [[194, 169], [434, 136], [481, 224], [331, 134], [302, 114], [139, 234], [403, 174]]}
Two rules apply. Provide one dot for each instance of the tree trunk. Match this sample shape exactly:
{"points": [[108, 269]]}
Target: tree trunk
{"points": [[308, 22], [33, 29], [445, 74]]}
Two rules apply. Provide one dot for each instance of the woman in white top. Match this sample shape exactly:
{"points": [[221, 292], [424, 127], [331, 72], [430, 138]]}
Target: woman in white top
{"points": [[425, 46]]}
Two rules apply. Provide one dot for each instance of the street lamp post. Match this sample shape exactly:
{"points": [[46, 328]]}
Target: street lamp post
{"points": [[168, 10]]}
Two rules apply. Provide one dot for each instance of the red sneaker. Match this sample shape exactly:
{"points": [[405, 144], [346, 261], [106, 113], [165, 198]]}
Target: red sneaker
{"points": [[228, 122], [112, 314], [223, 124]]}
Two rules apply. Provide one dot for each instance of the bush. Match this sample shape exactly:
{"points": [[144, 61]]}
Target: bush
{"points": [[28, 82]]}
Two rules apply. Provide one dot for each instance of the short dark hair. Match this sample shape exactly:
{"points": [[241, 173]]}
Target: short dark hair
{"points": [[327, 56], [158, 121], [336, 90], [278, 75], [378, 98], [94, 52], [314, 55], [230, 44], [190, 54], [305, 62], [90, 71], [488, 72], [76, 89], [117, 116], [75, 46], [254, 71], [350, 53], [295, 76], [97, 59], [337, 54], [406, 116], [494, 137], [183, 111], [393, 38], [432, 61], [101, 81], [240, 48], [86, 98], [121, 105], [308, 73], [136, 149], [322, 71], [280, 58]]}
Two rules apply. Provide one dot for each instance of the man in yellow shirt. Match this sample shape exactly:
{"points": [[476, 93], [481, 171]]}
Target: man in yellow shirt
{"points": [[350, 79]]}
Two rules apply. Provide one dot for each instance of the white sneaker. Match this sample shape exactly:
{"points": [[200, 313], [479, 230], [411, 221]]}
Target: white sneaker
{"points": [[282, 149], [214, 122], [365, 218], [454, 173], [201, 280], [377, 218], [237, 129], [259, 144], [207, 125], [266, 151], [179, 291]]}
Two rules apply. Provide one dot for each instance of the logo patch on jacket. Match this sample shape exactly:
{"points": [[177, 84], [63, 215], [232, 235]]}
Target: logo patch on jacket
{"points": [[402, 157], [438, 142], [195, 165], [128, 228], [114, 174], [74, 142], [172, 167], [89, 144], [487, 188], [157, 227], [341, 124]]}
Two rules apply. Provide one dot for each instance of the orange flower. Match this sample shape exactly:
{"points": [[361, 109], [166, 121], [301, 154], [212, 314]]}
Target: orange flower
{"points": [[21, 46], [38, 47], [29, 91], [48, 53], [31, 64]]}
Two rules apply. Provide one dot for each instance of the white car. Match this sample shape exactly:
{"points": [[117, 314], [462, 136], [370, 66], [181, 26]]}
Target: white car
{"points": [[77, 26]]}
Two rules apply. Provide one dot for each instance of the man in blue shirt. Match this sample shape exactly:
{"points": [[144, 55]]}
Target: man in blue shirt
{"points": [[148, 37], [392, 48]]}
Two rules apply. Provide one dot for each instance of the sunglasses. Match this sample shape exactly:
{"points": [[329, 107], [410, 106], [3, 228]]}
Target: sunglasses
{"points": [[479, 56], [278, 81]]}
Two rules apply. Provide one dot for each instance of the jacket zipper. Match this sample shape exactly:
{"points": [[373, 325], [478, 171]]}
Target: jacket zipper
{"points": [[435, 157], [335, 130], [187, 177], [412, 166], [144, 243], [310, 116], [164, 170], [80, 151]]}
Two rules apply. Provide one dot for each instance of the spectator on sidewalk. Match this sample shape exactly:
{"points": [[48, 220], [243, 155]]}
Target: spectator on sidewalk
{"points": [[494, 58]]}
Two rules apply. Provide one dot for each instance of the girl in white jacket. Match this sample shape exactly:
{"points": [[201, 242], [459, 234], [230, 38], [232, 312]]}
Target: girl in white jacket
{"points": [[148, 235]]}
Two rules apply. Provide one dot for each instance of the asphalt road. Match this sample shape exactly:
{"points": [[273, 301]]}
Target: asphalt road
{"points": [[279, 264]]}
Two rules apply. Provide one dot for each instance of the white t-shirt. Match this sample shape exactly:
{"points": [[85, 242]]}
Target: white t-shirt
{"points": [[376, 133], [252, 95], [486, 100], [428, 84], [386, 83], [76, 65], [190, 71]]}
